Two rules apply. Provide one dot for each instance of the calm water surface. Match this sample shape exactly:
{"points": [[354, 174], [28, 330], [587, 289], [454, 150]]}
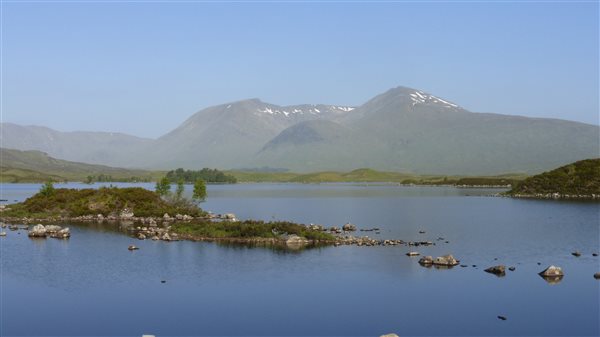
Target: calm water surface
{"points": [[92, 285]]}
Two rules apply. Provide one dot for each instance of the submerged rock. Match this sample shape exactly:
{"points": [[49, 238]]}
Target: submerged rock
{"points": [[2, 233], [597, 276], [389, 335], [511, 268], [132, 247], [413, 254], [502, 318], [497, 270], [576, 254]]}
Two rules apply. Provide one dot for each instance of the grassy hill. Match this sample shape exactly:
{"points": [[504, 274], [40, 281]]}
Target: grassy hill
{"points": [[105, 200], [36, 166], [581, 178]]}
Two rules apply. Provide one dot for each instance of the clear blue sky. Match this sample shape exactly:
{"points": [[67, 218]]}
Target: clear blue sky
{"points": [[143, 68]]}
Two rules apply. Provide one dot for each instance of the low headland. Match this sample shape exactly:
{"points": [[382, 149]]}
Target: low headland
{"points": [[579, 180]]}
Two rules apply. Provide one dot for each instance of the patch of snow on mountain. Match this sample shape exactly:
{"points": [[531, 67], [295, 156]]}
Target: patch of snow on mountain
{"points": [[419, 97]]}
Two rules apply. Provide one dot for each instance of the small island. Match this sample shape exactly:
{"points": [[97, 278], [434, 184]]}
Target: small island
{"points": [[579, 180], [145, 214]]}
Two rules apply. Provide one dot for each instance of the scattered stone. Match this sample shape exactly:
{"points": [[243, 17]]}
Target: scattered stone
{"points": [[576, 254], [502, 318], [166, 237], [421, 232], [132, 247], [597, 276], [511, 268], [155, 238], [389, 335], [496, 270], [412, 254], [141, 236], [349, 227], [594, 254], [474, 265], [464, 265], [163, 281], [2, 233], [446, 260]]}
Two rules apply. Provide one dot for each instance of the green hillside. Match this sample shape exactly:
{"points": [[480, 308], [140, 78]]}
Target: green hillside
{"points": [[581, 178], [36, 166]]}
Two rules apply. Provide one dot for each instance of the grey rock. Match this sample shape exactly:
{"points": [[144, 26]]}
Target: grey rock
{"points": [[446, 260], [349, 227], [426, 260]]}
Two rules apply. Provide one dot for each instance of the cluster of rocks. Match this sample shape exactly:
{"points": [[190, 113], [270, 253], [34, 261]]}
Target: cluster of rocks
{"points": [[365, 241], [225, 216], [54, 231], [153, 233], [556, 195]]}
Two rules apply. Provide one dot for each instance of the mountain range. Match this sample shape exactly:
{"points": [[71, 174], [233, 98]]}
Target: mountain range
{"points": [[402, 130]]}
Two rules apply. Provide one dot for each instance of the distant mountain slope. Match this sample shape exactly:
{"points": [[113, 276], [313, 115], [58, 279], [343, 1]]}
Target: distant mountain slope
{"points": [[412, 131], [105, 148], [401, 130], [581, 178], [229, 135], [38, 166]]}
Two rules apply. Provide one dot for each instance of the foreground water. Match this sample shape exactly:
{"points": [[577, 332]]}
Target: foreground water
{"points": [[92, 285]]}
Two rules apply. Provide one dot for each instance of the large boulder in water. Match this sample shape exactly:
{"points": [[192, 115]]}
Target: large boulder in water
{"points": [[446, 260], [38, 231], [552, 271], [552, 274]]}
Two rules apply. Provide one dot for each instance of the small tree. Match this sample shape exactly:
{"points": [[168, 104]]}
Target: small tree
{"points": [[180, 189], [47, 189], [199, 190], [163, 187]]}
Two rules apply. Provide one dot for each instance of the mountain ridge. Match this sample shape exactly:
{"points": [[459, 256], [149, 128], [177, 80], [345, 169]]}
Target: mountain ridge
{"points": [[402, 129]]}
